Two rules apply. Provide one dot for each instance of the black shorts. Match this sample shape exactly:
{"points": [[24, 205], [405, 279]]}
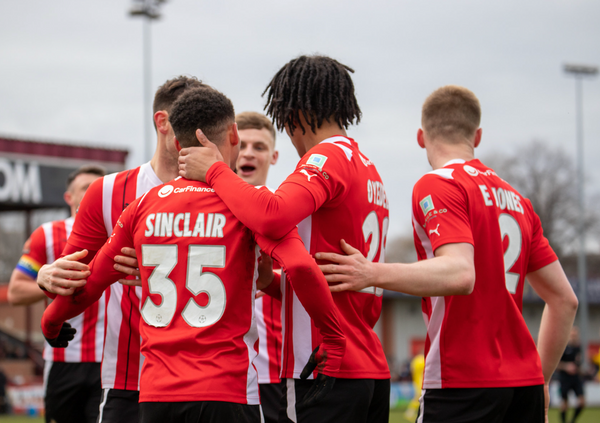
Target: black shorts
{"points": [[349, 401], [485, 405], [570, 383], [270, 400], [119, 406], [198, 411], [72, 392]]}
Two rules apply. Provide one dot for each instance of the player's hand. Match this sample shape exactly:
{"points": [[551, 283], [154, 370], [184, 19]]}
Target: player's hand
{"points": [[194, 162], [265, 271], [322, 384], [64, 275], [128, 264], [350, 272], [67, 333], [546, 400]]}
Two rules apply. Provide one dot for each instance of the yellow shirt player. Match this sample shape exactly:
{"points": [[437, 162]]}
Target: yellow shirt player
{"points": [[417, 366]]}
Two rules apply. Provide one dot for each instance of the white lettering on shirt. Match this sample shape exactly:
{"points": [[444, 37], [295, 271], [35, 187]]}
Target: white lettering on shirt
{"points": [[504, 199], [486, 195], [169, 225], [376, 194]]}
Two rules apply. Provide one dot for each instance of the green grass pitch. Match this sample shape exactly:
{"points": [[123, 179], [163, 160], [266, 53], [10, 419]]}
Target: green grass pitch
{"points": [[589, 415]]}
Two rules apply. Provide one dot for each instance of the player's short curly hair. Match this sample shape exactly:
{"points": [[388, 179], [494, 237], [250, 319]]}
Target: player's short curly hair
{"points": [[201, 108], [319, 87], [168, 92], [451, 112]]}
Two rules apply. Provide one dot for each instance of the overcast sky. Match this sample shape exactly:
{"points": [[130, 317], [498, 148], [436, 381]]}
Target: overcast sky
{"points": [[71, 70]]}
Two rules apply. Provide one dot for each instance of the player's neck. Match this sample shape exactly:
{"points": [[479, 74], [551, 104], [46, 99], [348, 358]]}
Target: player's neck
{"points": [[326, 130], [164, 165], [439, 154]]}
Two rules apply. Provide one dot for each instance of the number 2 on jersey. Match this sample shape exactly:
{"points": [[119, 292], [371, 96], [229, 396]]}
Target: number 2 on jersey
{"points": [[164, 258], [510, 227], [370, 228]]}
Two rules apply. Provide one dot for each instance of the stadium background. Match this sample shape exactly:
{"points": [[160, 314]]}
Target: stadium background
{"points": [[72, 73]]}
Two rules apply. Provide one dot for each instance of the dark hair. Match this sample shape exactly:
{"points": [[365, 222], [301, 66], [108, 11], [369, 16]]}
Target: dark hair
{"points": [[319, 87], [254, 120], [170, 91], [201, 108], [91, 169]]}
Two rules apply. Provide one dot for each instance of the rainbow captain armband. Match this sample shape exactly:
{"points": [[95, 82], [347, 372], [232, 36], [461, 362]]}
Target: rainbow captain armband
{"points": [[29, 266]]}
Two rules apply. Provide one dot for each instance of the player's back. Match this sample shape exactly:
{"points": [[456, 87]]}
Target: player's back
{"points": [[481, 339], [199, 265], [357, 210]]}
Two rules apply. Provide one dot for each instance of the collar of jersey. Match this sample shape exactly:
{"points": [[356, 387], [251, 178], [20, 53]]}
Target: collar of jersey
{"points": [[454, 161]]}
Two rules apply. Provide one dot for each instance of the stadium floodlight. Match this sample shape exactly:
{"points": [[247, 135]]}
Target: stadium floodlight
{"points": [[579, 72], [149, 10]]}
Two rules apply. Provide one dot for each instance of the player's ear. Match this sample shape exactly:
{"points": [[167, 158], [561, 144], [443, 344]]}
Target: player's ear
{"points": [[478, 137], [420, 138], [177, 145], [68, 197], [161, 120], [234, 137], [274, 157]]}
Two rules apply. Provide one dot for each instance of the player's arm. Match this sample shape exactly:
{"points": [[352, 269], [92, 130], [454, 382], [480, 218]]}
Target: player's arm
{"points": [[66, 307], [450, 272], [89, 233], [270, 214], [311, 289], [22, 289], [102, 275], [552, 285]]}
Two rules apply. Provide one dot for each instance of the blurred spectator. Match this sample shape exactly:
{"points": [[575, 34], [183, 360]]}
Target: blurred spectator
{"points": [[417, 366], [570, 378]]}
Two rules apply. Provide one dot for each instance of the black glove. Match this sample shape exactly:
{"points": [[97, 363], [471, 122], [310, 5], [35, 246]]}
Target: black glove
{"points": [[67, 333], [322, 385]]}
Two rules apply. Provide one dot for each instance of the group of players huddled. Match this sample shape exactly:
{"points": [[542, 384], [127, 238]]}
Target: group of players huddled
{"points": [[165, 274]]}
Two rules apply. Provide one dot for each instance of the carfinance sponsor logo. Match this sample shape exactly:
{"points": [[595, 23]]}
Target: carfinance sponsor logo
{"points": [[474, 172], [471, 170], [426, 205], [191, 188], [165, 191]]}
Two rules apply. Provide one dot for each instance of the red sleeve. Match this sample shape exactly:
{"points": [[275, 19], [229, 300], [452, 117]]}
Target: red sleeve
{"points": [[274, 288], [299, 196], [440, 208], [313, 292], [89, 231], [541, 254], [102, 276]]}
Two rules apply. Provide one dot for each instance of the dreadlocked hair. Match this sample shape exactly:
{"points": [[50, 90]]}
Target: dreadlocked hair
{"points": [[317, 86]]}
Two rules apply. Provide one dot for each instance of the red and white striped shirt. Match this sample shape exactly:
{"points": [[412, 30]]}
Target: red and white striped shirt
{"points": [[44, 246], [268, 320], [98, 213]]}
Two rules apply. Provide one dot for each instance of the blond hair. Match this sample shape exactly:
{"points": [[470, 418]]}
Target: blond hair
{"points": [[254, 120], [451, 112]]}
